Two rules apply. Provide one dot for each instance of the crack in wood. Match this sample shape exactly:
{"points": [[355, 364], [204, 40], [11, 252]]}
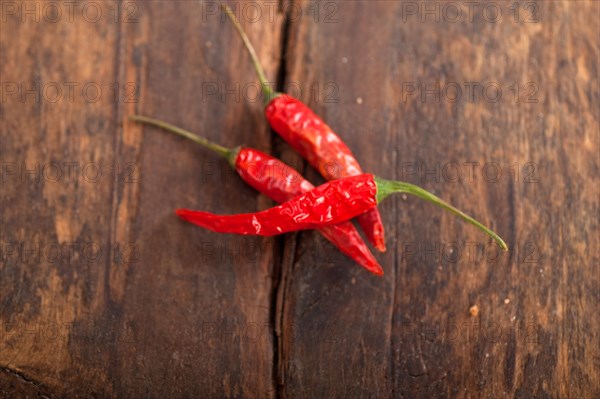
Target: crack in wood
{"points": [[28, 380], [280, 271]]}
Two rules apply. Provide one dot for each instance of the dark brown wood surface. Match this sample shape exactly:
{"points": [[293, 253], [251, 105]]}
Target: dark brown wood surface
{"points": [[104, 293]]}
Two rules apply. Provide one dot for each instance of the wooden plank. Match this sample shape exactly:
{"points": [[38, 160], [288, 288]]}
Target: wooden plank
{"points": [[58, 134], [180, 311], [335, 317], [206, 296], [411, 334]]}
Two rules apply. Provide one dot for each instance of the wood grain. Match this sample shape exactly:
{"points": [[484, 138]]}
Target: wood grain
{"points": [[104, 293]]}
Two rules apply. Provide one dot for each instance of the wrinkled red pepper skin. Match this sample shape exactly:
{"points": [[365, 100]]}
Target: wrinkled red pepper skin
{"points": [[332, 203], [270, 176], [297, 124], [281, 183], [316, 142]]}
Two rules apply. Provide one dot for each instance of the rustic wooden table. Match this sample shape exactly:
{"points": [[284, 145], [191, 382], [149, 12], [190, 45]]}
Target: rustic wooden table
{"points": [[105, 293]]}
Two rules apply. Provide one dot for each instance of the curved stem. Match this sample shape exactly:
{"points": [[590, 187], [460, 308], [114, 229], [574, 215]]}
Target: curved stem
{"points": [[227, 153], [387, 187], [268, 92]]}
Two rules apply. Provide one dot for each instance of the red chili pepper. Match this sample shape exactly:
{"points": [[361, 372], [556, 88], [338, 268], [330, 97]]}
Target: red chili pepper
{"points": [[297, 124], [281, 183], [331, 203], [323, 149], [338, 200]]}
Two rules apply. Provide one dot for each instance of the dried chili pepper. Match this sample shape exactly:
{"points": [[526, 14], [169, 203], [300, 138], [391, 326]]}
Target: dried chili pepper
{"points": [[281, 183], [316, 142], [333, 202]]}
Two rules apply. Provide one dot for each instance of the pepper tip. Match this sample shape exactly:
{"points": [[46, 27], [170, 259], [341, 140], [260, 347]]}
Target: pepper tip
{"points": [[380, 246], [376, 270], [182, 213]]}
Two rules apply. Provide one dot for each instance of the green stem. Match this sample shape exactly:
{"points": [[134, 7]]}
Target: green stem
{"points": [[227, 153], [387, 187], [264, 84]]}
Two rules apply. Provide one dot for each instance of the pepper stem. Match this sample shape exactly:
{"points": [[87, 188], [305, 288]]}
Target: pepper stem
{"points": [[228, 153], [268, 92], [387, 187]]}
